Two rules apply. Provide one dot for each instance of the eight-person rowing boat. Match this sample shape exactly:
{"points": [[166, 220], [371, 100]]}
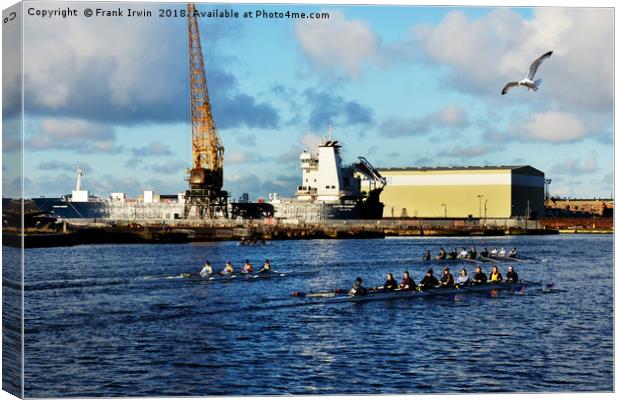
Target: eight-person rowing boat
{"points": [[428, 286]]}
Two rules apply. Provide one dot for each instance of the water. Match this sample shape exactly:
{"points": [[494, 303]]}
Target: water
{"points": [[112, 320]]}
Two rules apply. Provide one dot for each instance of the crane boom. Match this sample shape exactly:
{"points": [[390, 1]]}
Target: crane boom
{"points": [[207, 173], [207, 150]]}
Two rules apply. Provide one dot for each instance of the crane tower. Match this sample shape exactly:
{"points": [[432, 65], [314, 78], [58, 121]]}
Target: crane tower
{"points": [[207, 174]]}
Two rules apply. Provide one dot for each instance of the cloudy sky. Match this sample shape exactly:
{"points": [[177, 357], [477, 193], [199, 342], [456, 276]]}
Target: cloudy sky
{"points": [[402, 86]]}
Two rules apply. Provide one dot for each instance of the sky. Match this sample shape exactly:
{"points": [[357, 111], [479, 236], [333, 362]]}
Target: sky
{"points": [[403, 86]]}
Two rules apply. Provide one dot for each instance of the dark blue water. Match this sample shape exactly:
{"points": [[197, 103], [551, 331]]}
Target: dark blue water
{"points": [[110, 320]]}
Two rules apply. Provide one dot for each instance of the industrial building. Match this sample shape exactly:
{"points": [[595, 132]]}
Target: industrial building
{"points": [[463, 192]]}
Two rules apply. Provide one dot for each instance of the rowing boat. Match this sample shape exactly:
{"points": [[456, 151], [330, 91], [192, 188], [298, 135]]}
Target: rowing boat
{"points": [[235, 276], [339, 296]]}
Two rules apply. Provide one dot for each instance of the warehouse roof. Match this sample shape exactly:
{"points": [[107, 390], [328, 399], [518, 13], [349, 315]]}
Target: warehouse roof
{"points": [[459, 168]]}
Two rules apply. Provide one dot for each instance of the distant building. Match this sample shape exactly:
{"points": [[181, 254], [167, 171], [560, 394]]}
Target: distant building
{"points": [[575, 207], [462, 192]]}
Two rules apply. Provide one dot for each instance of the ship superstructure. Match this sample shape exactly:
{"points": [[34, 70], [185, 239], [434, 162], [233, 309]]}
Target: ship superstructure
{"points": [[330, 190]]}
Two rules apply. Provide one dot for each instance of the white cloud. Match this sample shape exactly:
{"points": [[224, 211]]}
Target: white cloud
{"points": [[545, 127], [152, 149], [169, 167], [337, 43], [72, 134], [485, 52], [572, 166], [552, 126], [467, 151], [310, 141], [242, 157], [449, 117]]}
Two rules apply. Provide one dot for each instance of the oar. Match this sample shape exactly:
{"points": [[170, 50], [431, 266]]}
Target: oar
{"points": [[332, 293]]}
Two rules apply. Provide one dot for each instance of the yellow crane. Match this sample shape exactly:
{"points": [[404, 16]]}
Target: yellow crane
{"points": [[207, 173]]}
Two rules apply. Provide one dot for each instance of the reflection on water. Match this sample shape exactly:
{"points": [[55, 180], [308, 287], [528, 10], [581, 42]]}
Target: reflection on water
{"points": [[108, 320]]}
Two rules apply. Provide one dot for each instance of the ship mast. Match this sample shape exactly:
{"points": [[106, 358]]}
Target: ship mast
{"points": [[206, 175]]}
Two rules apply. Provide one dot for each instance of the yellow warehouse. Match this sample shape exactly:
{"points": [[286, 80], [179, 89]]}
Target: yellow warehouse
{"points": [[463, 192]]}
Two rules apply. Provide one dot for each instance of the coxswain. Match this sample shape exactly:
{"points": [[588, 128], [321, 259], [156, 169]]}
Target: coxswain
{"points": [[453, 254], [407, 283], [473, 254], [429, 281], [513, 253], [247, 268], [479, 277], [463, 279], [426, 256], [442, 254], [463, 253], [495, 275], [358, 289], [493, 253], [446, 279], [206, 270], [484, 253], [266, 267], [502, 253], [228, 269], [511, 276], [390, 284]]}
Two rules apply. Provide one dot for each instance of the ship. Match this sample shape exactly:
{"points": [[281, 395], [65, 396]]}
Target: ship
{"points": [[329, 190]]}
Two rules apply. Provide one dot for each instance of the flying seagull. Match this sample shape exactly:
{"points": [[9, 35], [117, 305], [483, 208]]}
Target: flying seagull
{"points": [[528, 81]]}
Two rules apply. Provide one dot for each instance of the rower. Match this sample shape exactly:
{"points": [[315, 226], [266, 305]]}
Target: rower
{"points": [[473, 254], [511, 276], [442, 254], [228, 269], [463, 279], [247, 268], [493, 253], [426, 256], [495, 275], [446, 279], [513, 253], [390, 284], [479, 277], [206, 270], [484, 253], [266, 267], [463, 253], [358, 289], [429, 281], [407, 283], [453, 254], [502, 253]]}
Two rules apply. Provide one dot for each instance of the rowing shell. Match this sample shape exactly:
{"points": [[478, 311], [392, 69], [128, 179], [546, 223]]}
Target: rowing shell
{"points": [[235, 276], [336, 297]]}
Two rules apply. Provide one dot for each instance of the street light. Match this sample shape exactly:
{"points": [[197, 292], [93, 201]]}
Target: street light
{"points": [[445, 210], [485, 210], [480, 206]]}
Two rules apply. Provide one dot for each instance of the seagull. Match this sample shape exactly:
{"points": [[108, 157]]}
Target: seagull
{"points": [[528, 81]]}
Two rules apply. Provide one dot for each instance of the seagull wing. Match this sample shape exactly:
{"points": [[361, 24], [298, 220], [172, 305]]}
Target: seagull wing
{"points": [[536, 64], [509, 86]]}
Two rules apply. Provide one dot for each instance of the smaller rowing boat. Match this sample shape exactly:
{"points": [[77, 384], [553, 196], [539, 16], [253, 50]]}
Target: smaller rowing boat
{"points": [[219, 277]]}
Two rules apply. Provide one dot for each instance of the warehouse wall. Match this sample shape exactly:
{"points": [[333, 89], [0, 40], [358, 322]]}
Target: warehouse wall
{"points": [[421, 193], [460, 201]]}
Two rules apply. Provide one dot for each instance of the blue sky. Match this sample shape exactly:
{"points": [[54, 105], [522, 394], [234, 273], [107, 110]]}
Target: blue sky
{"points": [[402, 86]]}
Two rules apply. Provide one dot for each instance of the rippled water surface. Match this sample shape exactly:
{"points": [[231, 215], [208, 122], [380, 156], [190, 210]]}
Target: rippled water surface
{"points": [[115, 320]]}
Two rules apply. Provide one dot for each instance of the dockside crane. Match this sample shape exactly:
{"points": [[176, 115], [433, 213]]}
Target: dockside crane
{"points": [[207, 173]]}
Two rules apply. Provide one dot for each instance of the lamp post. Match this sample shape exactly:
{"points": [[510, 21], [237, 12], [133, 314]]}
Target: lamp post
{"points": [[480, 206], [445, 210], [485, 210]]}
